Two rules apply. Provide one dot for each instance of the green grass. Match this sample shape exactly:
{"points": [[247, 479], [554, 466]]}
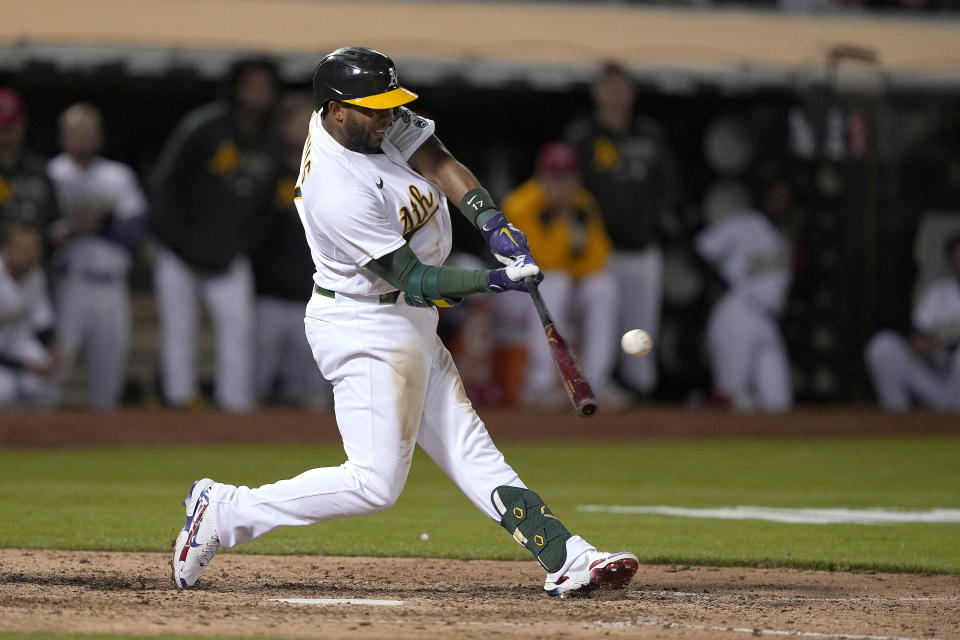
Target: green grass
{"points": [[128, 499]]}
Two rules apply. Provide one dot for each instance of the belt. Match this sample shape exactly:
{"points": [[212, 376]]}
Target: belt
{"points": [[385, 298], [101, 277]]}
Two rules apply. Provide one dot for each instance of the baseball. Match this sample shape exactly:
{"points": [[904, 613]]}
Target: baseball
{"points": [[424, 536], [636, 342]]}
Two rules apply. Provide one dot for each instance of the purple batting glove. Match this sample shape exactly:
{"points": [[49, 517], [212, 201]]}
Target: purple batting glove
{"points": [[512, 278], [506, 241]]}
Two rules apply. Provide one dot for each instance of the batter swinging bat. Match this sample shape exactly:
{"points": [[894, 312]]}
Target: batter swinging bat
{"points": [[578, 389]]}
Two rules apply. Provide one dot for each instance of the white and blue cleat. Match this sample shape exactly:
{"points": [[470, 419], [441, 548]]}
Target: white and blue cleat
{"points": [[196, 545]]}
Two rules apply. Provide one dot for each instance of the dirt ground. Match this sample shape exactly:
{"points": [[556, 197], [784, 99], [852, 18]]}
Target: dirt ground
{"points": [[132, 593], [155, 426]]}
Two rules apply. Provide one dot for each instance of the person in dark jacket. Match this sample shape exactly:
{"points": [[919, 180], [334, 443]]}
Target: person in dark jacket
{"points": [[629, 166], [213, 192], [26, 193], [283, 271]]}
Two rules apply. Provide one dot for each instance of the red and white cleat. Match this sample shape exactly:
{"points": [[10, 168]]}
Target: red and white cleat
{"points": [[198, 542], [593, 570]]}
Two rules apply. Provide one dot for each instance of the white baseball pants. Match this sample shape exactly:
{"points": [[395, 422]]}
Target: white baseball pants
{"points": [[749, 359], [592, 303], [229, 299], [640, 279], [395, 386], [282, 348], [93, 318], [900, 375]]}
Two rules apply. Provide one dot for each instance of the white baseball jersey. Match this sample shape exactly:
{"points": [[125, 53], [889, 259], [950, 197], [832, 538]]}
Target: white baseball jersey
{"points": [[104, 185], [938, 306], [358, 207], [752, 255], [24, 309]]}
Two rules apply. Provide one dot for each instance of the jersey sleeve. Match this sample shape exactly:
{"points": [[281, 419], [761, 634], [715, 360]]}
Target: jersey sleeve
{"points": [[929, 313], [715, 242], [408, 132], [131, 202], [353, 227], [41, 309]]}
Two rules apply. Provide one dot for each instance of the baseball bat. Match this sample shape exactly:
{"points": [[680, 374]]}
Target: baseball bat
{"points": [[577, 387]]}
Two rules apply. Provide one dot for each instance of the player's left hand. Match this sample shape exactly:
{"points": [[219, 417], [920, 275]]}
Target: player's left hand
{"points": [[507, 243]]}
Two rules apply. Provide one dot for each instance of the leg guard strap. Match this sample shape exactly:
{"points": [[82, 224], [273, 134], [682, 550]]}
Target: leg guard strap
{"points": [[525, 516]]}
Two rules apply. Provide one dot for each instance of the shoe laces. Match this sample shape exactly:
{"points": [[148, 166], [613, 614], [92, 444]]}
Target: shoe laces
{"points": [[209, 549]]}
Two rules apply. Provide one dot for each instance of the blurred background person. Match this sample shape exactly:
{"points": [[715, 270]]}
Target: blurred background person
{"points": [[26, 194], [214, 187], [283, 271], [753, 256], [569, 242], [926, 367], [28, 358], [628, 165], [103, 221]]}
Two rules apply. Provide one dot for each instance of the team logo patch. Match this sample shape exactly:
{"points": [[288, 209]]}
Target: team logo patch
{"points": [[518, 513], [421, 210], [226, 159]]}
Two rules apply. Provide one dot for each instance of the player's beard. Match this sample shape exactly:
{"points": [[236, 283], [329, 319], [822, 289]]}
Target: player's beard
{"points": [[359, 138]]}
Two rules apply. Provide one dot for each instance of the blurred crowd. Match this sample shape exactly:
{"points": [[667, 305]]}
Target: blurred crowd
{"points": [[217, 215]]}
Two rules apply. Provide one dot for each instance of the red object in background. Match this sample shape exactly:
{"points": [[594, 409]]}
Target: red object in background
{"points": [[858, 132], [557, 158], [11, 106]]}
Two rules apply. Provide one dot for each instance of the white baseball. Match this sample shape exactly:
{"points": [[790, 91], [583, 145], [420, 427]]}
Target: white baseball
{"points": [[424, 536], [636, 342]]}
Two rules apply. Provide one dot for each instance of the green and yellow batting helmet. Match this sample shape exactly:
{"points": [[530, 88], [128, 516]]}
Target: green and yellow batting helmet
{"points": [[360, 76]]}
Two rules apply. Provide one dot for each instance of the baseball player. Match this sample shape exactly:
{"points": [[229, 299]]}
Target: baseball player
{"points": [[749, 359], [927, 367], [28, 359], [214, 186], [103, 220], [563, 223], [372, 197], [629, 167]]}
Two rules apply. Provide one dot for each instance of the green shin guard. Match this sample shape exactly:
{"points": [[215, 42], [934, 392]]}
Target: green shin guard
{"points": [[524, 515]]}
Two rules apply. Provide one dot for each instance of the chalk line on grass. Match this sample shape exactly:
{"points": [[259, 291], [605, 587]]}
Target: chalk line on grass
{"points": [[790, 516]]}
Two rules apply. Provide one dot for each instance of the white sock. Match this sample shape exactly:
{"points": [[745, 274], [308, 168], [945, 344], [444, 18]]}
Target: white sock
{"points": [[576, 547]]}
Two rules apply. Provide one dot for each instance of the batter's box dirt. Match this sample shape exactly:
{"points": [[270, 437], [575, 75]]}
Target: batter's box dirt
{"points": [[131, 593]]}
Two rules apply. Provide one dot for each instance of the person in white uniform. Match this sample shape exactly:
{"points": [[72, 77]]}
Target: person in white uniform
{"points": [[750, 365], [213, 191], [924, 369], [28, 358], [372, 196], [103, 220]]}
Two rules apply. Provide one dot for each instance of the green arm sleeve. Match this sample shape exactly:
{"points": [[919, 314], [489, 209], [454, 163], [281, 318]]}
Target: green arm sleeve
{"points": [[404, 270], [477, 206]]}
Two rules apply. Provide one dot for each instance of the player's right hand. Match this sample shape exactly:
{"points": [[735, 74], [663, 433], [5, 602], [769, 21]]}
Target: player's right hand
{"points": [[512, 278]]}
